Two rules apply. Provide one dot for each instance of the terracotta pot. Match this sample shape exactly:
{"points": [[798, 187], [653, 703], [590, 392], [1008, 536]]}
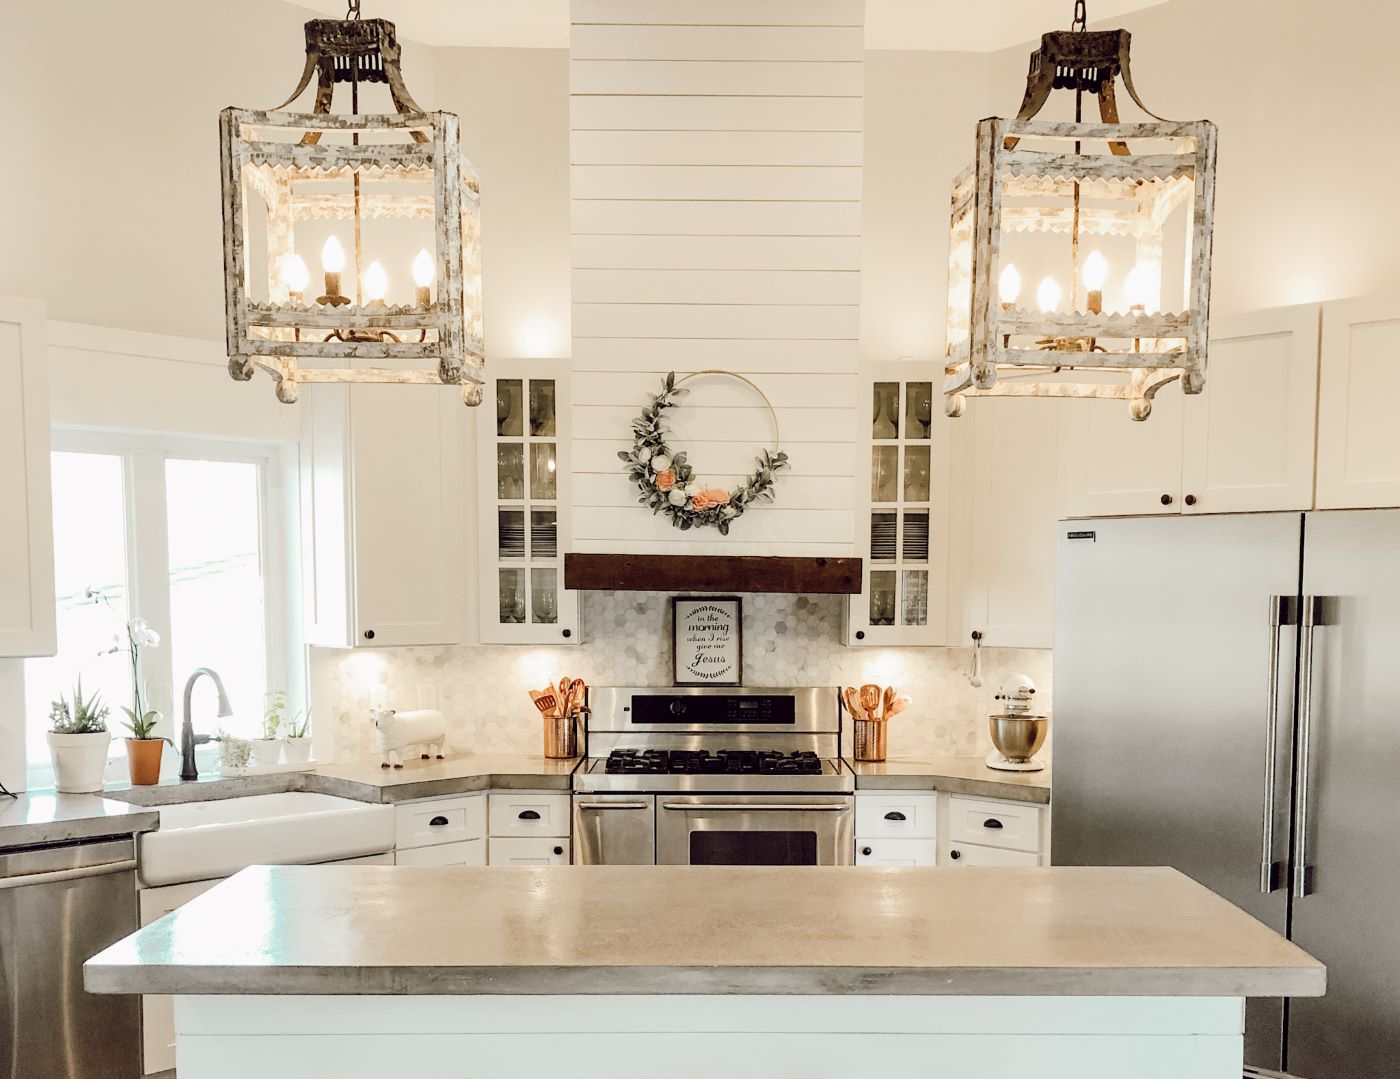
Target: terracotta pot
{"points": [[143, 760]]}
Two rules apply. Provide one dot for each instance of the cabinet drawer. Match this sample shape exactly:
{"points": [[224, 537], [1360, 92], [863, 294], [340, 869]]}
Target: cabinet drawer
{"points": [[972, 854], [468, 852], [895, 852], [523, 813], [897, 815], [532, 851], [1011, 825], [441, 820]]}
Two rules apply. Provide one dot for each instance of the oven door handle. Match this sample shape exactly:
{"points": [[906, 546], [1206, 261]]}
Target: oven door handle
{"points": [[770, 807], [613, 805]]}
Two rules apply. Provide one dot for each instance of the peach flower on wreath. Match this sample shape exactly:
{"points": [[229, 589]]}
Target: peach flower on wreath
{"points": [[666, 480], [709, 498]]}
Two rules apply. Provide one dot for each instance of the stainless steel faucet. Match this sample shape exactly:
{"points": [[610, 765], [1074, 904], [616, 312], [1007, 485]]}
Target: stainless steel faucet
{"points": [[188, 739]]}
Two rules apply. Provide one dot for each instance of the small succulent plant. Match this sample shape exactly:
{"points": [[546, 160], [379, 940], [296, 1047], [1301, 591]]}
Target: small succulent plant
{"points": [[84, 716]]}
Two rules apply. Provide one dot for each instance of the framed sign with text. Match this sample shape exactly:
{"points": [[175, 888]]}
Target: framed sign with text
{"points": [[707, 640]]}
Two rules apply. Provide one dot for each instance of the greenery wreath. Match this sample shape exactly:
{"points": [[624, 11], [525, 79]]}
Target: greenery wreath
{"points": [[667, 481]]}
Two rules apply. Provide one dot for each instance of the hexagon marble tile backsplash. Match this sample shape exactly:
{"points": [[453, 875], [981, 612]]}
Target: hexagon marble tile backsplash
{"points": [[788, 641]]}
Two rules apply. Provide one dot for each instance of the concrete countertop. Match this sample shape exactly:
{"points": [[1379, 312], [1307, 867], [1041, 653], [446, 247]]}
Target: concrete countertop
{"points": [[1062, 931], [956, 775], [366, 781], [31, 819]]}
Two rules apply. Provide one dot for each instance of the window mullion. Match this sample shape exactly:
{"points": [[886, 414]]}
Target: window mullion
{"points": [[150, 576]]}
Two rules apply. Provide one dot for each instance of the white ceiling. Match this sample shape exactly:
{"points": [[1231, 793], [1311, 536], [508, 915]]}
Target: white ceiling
{"points": [[944, 25]]}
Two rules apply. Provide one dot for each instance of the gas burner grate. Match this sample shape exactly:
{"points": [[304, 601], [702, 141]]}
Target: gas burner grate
{"points": [[727, 762]]}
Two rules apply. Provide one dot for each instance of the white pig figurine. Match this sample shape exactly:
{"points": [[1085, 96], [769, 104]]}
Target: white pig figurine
{"points": [[425, 728]]}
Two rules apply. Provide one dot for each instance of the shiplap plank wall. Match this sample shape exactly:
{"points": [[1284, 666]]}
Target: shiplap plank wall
{"points": [[715, 153]]}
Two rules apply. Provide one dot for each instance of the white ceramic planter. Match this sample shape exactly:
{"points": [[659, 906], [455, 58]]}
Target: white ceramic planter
{"points": [[296, 750], [79, 761], [266, 751]]}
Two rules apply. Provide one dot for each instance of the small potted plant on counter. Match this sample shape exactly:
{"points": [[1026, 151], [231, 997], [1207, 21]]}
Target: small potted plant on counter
{"points": [[233, 752], [268, 749], [78, 741], [296, 747], [144, 747]]}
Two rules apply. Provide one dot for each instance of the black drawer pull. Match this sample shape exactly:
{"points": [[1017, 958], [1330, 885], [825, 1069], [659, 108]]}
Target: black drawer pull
{"points": [[895, 814], [437, 822], [530, 814], [955, 854], [558, 850], [866, 851], [992, 822]]}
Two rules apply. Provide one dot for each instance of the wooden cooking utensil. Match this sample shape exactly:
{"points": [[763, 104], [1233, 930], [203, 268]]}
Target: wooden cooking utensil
{"points": [[886, 702], [870, 699], [897, 705], [575, 697], [546, 701], [849, 695]]}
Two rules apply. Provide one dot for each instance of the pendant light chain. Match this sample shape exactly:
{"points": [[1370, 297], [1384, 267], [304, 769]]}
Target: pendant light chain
{"points": [[1080, 23], [352, 10]]}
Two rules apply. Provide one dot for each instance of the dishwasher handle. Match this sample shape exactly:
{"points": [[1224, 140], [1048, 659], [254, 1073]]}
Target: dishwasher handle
{"points": [[771, 807], [55, 876]]}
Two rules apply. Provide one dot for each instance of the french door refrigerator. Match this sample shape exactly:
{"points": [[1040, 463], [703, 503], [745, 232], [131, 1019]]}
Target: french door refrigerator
{"points": [[1227, 701]]}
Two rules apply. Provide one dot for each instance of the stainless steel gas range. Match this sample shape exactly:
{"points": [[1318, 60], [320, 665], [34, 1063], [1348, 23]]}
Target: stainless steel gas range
{"points": [[710, 776]]}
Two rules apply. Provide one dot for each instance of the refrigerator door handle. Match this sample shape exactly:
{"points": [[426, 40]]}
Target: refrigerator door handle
{"points": [[1316, 612], [1283, 611]]}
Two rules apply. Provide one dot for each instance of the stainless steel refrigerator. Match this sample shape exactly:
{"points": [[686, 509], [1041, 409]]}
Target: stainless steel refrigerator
{"points": [[1227, 701]]}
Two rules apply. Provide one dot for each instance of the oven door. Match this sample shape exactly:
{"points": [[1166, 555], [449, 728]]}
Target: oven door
{"points": [[755, 829]]}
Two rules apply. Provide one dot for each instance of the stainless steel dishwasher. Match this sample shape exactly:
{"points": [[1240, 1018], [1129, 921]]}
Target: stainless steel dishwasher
{"points": [[59, 906]]}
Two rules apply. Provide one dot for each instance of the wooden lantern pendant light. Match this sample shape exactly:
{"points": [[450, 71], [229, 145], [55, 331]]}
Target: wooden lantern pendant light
{"points": [[393, 189], [1037, 204]]}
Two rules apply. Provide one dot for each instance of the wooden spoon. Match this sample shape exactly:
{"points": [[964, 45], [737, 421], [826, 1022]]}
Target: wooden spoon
{"points": [[885, 704], [852, 703], [897, 705], [870, 699]]}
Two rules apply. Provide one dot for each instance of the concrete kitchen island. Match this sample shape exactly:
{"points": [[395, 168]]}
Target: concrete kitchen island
{"points": [[613, 971]]}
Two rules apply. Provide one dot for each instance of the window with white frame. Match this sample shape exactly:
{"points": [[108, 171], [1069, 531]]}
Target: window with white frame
{"points": [[189, 535]]}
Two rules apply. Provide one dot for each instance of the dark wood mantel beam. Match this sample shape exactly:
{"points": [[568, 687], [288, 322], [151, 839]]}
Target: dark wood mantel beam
{"points": [[711, 573]]}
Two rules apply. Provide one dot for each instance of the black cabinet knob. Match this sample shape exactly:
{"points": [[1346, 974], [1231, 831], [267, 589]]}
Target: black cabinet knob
{"points": [[991, 822], [955, 854], [568, 633], [895, 814], [558, 850], [437, 822], [1166, 500], [866, 851], [860, 634], [529, 814], [1190, 500], [369, 634]]}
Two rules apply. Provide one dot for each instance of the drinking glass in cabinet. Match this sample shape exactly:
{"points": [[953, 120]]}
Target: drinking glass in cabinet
{"points": [[882, 536], [882, 598], [544, 589], [916, 473], [542, 468], [542, 406], [510, 533], [885, 421], [918, 410], [512, 596], [544, 534], [509, 414], [884, 473], [915, 537], [510, 470], [915, 597]]}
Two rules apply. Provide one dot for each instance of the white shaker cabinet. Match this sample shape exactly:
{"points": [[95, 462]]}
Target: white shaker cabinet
{"points": [[26, 542], [1244, 445], [523, 440], [381, 514], [1358, 436]]}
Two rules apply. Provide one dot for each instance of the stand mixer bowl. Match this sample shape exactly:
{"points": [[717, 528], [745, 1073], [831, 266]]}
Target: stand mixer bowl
{"points": [[1018, 738]]}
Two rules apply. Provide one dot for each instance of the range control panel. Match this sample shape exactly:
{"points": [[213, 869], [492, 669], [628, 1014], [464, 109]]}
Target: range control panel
{"points": [[765, 709]]}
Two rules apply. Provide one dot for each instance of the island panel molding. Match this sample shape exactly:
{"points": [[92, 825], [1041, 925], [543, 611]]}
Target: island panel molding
{"points": [[716, 184]]}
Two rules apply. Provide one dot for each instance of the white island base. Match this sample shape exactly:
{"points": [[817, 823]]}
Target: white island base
{"points": [[709, 1037]]}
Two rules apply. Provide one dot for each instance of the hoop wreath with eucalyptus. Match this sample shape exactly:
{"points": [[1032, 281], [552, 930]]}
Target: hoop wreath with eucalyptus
{"points": [[667, 482]]}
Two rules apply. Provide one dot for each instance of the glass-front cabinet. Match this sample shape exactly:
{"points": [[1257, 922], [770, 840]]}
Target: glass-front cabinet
{"points": [[902, 525], [524, 505]]}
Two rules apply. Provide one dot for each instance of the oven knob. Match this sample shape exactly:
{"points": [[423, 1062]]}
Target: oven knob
{"points": [[866, 851], [678, 708]]}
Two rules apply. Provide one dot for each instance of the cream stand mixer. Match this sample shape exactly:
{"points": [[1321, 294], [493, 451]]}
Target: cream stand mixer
{"points": [[1016, 731]]}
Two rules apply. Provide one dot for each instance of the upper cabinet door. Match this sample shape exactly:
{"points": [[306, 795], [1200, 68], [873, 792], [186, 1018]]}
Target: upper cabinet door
{"points": [[1249, 436], [524, 520], [26, 542], [903, 509], [1113, 466], [1358, 438]]}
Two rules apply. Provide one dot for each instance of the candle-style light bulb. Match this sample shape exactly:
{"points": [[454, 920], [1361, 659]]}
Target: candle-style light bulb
{"points": [[332, 262], [1009, 284], [1140, 286], [1095, 274], [376, 283], [294, 277], [424, 271], [1047, 296]]}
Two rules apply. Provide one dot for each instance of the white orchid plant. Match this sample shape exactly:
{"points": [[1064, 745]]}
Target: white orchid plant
{"points": [[135, 635]]}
